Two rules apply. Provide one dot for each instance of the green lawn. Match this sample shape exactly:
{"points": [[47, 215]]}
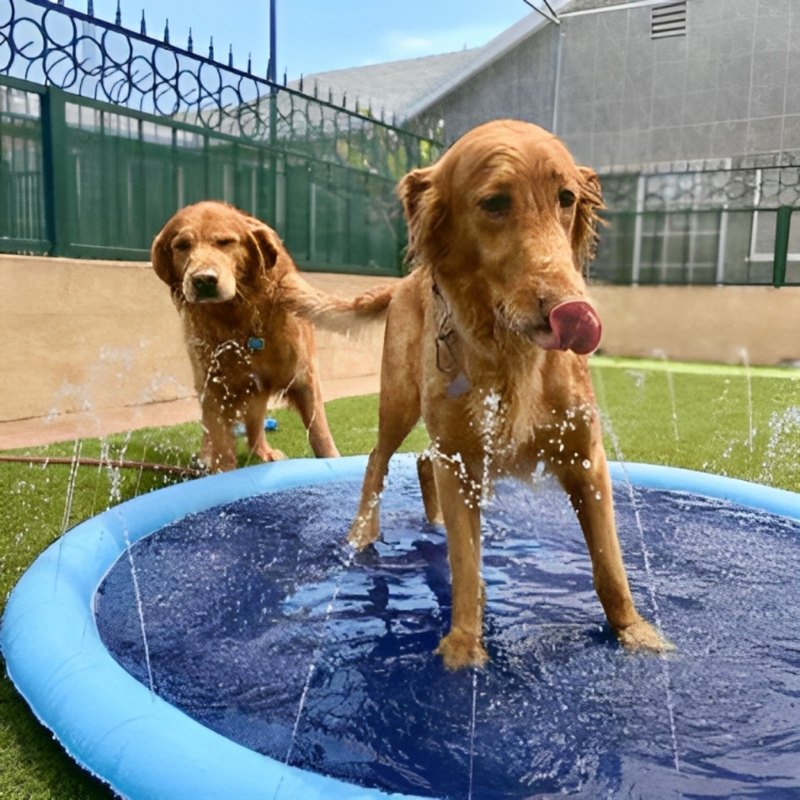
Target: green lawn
{"points": [[711, 419], [706, 422]]}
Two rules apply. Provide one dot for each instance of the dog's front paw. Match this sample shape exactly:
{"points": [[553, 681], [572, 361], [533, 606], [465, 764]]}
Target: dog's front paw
{"points": [[460, 649], [268, 454], [641, 635], [364, 531]]}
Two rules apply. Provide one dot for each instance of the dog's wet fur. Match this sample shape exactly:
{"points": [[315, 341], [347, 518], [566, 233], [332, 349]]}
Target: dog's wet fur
{"points": [[487, 339]]}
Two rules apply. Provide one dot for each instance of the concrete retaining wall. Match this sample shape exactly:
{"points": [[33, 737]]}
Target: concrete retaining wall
{"points": [[82, 337], [701, 323], [85, 336]]}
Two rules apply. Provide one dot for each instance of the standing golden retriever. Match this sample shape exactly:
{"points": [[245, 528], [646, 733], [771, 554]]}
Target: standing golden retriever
{"points": [[487, 339], [241, 299]]}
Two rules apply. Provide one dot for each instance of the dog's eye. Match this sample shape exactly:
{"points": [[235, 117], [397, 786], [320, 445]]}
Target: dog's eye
{"points": [[566, 198], [182, 244], [496, 204], [225, 241]]}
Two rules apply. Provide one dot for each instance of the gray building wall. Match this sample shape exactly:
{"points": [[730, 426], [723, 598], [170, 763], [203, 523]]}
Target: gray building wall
{"points": [[519, 85], [730, 88]]}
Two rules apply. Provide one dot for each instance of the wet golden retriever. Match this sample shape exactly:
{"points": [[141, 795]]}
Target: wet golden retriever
{"points": [[487, 339], [242, 302]]}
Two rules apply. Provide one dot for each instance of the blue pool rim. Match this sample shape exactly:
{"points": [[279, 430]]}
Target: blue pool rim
{"points": [[133, 740]]}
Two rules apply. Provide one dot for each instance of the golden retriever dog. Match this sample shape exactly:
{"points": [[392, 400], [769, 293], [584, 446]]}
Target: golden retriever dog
{"points": [[242, 302], [487, 339]]}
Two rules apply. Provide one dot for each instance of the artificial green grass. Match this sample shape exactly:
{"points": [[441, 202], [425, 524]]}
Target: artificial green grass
{"points": [[710, 431], [727, 421], [34, 511]]}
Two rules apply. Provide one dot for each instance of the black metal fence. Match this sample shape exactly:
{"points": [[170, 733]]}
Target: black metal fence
{"points": [[703, 224], [105, 132]]}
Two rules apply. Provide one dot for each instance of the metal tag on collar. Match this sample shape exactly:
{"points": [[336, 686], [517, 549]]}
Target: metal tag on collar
{"points": [[254, 343], [458, 386]]}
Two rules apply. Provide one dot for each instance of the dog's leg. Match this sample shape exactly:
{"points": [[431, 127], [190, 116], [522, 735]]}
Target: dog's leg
{"points": [[430, 496], [366, 527], [254, 414], [463, 645], [590, 493], [393, 428], [399, 412], [306, 396], [219, 451]]}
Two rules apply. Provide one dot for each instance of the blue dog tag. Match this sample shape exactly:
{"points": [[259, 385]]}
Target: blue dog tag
{"points": [[255, 343], [458, 386]]}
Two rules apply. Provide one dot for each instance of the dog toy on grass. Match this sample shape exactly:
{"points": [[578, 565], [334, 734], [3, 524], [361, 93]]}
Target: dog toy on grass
{"points": [[270, 424]]}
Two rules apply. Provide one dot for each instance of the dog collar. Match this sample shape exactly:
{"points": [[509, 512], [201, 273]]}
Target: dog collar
{"points": [[448, 357], [255, 343], [446, 360]]}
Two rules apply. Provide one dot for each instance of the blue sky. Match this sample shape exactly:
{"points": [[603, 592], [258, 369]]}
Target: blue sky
{"points": [[321, 35]]}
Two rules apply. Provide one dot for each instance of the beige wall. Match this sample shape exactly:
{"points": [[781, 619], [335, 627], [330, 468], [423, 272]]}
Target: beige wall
{"points": [[83, 336], [701, 323]]}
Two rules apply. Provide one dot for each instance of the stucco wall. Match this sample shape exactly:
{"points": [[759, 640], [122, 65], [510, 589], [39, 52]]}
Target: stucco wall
{"points": [[729, 88], [81, 336], [701, 323], [520, 85]]}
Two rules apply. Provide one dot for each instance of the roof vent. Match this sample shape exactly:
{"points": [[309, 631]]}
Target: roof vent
{"points": [[668, 20]]}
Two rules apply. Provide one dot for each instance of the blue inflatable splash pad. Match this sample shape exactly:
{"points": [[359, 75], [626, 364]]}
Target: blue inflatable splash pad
{"points": [[217, 639]]}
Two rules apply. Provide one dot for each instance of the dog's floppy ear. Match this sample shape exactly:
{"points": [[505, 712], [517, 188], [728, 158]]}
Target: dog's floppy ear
{"points": [[424, 211], [264, 239], [584, 232], [161, 256]]}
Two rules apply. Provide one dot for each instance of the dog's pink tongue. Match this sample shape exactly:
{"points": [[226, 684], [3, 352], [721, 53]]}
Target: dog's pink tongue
{"points": [[576, 327]]}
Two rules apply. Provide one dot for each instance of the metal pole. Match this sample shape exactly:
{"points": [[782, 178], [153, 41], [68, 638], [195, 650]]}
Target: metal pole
{"points": [[782, 228], [557, 88], [273, 66], [637, 231], [721, 249], [58, 194], [272, 72]]}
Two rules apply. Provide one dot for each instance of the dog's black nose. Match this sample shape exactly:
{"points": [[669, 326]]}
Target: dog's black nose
{"points": [[205, 285]]}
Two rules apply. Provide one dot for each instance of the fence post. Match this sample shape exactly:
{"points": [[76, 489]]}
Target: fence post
{"points": [[57, 201], [782, 228], [273, 160]]}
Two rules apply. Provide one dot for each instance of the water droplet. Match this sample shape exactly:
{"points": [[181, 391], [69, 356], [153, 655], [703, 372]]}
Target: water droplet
{"points": [[598, 496], [586, 463]]}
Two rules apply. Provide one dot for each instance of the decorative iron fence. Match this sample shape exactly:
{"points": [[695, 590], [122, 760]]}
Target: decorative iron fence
{"points": [[702, 226], [105, 132]]}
